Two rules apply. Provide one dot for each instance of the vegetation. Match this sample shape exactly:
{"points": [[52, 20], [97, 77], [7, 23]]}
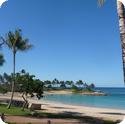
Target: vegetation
{"points": [[3, 89], [14, 111], [77, 86], [1, 59], [25, 83], [15, 42], [28, 85]]}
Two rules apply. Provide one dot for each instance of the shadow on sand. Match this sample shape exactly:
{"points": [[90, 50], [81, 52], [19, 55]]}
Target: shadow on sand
{"points": [[112, 113], [74, 116]]}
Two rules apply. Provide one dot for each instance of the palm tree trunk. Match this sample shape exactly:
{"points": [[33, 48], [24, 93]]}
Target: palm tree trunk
{"points": [[121, 14], [13, 83]]}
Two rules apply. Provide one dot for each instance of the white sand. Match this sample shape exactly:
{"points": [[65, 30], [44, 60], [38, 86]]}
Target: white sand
{"points": [[54, 107]]}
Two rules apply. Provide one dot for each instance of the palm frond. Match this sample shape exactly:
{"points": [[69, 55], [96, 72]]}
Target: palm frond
{"points": [[1, 59], [15, 41]]}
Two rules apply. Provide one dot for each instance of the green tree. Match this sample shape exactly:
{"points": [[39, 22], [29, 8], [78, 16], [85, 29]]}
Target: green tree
{"points": [[80, 83], [1, 59], [92, 85], [62, 85], [29, 86], [15, 42], [121, 15], [69, 83], [55, 82], [48, 84]]}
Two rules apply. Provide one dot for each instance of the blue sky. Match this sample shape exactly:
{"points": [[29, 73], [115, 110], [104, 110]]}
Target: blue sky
{"points": [[73, 39]]}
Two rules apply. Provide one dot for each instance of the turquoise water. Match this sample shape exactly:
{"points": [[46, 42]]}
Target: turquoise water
{"points": [[115, 99]]}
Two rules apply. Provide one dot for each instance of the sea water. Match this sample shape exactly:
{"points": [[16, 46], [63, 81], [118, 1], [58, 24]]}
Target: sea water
{"points": [[114, 99]]}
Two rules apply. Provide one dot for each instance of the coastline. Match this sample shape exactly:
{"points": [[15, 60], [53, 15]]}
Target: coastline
{"points": [[56, 107], [104, 113], [93, 93]]}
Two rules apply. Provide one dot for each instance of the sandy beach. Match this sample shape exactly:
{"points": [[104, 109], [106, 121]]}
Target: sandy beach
{"points": [[104, 113], [54, 107]]}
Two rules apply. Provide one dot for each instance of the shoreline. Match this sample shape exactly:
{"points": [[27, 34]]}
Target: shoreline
{"points": [[93, 93], [56, 107], [48, 101]]}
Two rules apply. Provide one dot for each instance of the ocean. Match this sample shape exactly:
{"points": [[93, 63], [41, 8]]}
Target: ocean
{"points": [[115, 99]]}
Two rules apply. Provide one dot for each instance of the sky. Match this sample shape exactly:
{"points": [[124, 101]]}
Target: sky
{"points": [[72, 40]]}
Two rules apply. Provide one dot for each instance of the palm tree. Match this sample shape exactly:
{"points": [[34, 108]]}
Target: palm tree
{"points": [[62, 85], [69, 83], [15, 42], [121, 15], [1, 59], [79, 83], [55, 83]]}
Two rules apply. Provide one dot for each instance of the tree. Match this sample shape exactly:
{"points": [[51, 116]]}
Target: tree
{"points": [[79, 83], [85, 85], [69, 83], [55, 83], [15, 42], [62, 85], [92, 85], [121, 15], [29, 86], [1, 59], [4, 83], [48, 84]]}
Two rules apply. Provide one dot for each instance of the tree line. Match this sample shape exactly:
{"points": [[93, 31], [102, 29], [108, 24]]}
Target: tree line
{"points": [[56, 84], [24, 82]]}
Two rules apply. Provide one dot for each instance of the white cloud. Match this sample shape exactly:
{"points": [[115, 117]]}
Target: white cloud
{"points": [[1, 2]]}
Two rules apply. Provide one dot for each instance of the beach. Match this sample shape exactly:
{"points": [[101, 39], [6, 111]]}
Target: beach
{"points": [[56, 107], [104, 113]]}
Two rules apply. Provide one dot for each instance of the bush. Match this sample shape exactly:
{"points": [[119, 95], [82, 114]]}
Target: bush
{"points": [[3, 90], [75, 89]]}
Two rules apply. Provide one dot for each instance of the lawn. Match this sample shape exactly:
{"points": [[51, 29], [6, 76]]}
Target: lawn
{"points": [[14, 111]]}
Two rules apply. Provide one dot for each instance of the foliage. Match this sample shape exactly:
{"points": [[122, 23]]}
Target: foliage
{"points": [[79, 83], [15, 42], [29, 85], [69, 83], [75, 89], [24, 83], [62, 85], [1, 59], [3, 90]]}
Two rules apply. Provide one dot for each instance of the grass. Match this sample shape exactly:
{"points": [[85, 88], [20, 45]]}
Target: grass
{"points": [[13, 111]]}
